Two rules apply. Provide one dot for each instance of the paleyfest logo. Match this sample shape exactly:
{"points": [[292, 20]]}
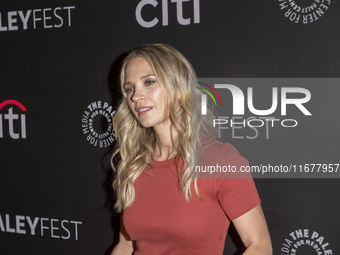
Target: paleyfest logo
{"points": [[99, 131], [263, 120], [37, 18], [304, 241], [297, 13]]}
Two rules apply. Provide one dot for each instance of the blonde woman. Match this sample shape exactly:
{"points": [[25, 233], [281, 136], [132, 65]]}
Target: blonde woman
{"points": [[165, 208]]}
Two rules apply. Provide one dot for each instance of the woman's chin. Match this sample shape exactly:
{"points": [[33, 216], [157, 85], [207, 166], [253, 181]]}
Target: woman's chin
{"points": [[145, 124]]}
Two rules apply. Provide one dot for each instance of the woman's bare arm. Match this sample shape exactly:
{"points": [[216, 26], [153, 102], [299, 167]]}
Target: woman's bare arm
{"points": [[125, 245], [253, 230]]}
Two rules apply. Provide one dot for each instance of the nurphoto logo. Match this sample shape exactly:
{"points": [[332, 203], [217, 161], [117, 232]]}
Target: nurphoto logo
{"points": [[254, 104]]}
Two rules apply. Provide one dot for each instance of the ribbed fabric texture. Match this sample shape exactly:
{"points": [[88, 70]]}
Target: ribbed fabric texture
{"points": [[162, 222]]}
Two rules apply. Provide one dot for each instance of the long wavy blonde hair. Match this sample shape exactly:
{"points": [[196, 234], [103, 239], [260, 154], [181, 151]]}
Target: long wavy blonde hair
{"points": [[136, 144]]}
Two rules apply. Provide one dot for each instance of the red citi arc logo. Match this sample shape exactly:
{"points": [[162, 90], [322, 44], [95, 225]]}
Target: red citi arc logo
{"points": [[12, 119]]}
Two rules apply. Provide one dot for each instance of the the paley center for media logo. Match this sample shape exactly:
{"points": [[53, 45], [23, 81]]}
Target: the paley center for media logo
{"points": [[306, 241], [233, 115], [97, 124], [297, 11]]}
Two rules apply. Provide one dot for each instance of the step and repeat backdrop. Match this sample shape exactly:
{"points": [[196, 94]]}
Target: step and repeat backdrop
{"points": [[59, 65]]}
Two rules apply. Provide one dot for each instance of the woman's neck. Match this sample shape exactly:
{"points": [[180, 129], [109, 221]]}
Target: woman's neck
{"points": [[164, 147]]}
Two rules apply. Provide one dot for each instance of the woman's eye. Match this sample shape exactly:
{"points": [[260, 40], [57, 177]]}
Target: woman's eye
{"points": [[149, 82], [128, 90]]}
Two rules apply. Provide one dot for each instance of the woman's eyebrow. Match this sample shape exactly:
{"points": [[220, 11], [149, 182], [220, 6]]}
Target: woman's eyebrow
{"points": [[141, 78], [127, 83], [145, 76]]}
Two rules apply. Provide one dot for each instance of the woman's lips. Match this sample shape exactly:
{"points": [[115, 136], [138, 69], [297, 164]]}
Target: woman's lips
{"points": [[144, 110]]}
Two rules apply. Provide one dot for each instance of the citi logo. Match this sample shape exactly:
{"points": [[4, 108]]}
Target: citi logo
{"points": [[165, 14], [238, 99], [12, 119]]}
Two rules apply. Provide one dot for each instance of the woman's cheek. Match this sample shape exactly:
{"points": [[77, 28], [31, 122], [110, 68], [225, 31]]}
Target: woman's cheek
{"points": [[131, 105]]}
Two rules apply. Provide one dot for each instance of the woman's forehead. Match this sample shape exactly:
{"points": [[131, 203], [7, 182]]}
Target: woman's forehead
{"points": [[137, 66]]}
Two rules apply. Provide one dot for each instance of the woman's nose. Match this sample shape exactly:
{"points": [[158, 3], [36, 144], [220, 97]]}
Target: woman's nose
{"points": [[137, 95]]}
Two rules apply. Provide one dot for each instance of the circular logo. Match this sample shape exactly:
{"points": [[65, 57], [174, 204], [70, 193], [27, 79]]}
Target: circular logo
{"points": [[304, 11], [97, 124], [305, 242]]}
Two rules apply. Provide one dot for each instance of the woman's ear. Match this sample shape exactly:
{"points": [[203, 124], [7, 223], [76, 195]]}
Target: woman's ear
{"points": [[178, 99], [179, 95]]}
